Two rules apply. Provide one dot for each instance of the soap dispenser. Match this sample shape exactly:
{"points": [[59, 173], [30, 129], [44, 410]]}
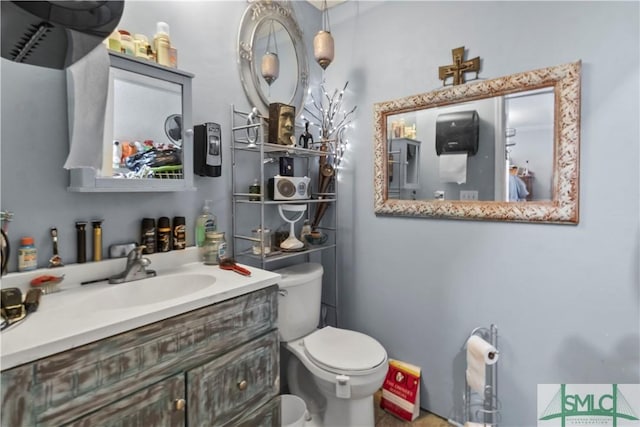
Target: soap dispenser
{"points": [[205, 223]]}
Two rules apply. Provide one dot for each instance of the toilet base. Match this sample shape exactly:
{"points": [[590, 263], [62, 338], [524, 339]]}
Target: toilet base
{"points": [[349, 412]]}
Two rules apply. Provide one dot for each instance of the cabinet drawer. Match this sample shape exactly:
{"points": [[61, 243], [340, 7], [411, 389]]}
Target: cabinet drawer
{"points": [[222, 391], [65, 386], [159, 405]]}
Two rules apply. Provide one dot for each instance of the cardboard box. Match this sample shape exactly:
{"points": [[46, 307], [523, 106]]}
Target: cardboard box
{"points": [[401, 390]]}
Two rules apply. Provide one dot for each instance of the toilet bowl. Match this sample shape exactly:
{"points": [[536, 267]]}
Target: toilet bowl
{"points": [[336, 371]]}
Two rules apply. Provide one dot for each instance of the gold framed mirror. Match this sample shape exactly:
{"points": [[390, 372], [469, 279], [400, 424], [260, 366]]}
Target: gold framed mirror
{"points": [[481, 185]]}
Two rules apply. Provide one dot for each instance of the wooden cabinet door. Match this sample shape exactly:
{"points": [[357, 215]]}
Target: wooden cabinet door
{"points": [[224, 390], [162, 404]]}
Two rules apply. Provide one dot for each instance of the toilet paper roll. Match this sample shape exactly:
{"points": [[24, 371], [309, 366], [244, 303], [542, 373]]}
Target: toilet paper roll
{"points": [[479, 354], [479, 348], [453, 168]]}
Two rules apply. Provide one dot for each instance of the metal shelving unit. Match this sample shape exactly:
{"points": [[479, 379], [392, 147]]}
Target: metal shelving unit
{"points": [[248, 133]]}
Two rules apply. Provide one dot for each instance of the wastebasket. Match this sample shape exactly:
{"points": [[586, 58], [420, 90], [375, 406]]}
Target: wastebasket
{"points": [[293, 410]]}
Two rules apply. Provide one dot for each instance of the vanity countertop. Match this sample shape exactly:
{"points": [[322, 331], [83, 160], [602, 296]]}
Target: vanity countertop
{"points": [[78, 315]]}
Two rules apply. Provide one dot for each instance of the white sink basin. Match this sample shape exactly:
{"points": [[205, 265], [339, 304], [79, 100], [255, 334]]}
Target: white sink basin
{"points": [[153, 290]]}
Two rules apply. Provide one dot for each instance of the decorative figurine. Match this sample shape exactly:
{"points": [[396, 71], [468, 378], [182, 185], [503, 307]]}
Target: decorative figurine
{"points": [[305, 137]]}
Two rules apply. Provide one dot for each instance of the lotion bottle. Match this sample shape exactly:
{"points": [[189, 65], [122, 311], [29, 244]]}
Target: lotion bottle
{"points": [[162, 44]]}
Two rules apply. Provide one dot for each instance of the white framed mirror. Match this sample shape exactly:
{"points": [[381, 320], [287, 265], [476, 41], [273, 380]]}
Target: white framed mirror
{"points": [[261, 19], [138, 155], [528, 137]]}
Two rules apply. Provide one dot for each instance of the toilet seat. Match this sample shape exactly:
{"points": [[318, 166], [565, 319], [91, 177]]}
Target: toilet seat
{"points": [[342, 351]]}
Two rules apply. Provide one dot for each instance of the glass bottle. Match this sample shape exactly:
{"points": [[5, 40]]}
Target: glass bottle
{"points": [[254, 189], [263, 237]]}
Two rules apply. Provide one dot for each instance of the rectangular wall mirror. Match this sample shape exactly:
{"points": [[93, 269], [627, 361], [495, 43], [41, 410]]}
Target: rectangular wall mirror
{"points": [[504, 149], [148, 131]]}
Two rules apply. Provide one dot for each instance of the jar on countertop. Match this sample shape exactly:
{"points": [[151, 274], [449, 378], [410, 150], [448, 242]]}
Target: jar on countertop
{"points": [[27, 255], [215, 247]]}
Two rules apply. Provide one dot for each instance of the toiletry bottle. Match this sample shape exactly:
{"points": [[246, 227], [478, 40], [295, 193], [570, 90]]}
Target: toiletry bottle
{"points": [[27, 255], [306, 229], [162, 44], [97, 239], [206, 222], [179, 233], [126, 43], [164, 234], [141, 43], [148, 235], [254, 189], [81, 240]]}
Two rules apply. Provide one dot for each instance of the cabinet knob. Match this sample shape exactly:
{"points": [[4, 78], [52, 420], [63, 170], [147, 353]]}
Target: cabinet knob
{"points": [[179, 404], [242, 385]]}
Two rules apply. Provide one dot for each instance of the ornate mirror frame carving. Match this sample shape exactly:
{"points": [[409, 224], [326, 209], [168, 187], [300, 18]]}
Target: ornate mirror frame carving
{"points": [[257, 13], [564, 206]]}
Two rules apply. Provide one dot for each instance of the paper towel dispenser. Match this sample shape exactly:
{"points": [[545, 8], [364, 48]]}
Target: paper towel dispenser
{"points": [[457, 132], [55, 34]]}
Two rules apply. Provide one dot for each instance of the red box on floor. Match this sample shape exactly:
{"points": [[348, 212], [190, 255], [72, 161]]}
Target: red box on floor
{"points": [[401, 390]]}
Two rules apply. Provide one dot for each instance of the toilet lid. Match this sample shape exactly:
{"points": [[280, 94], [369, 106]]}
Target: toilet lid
{"points": [[341, 350]]}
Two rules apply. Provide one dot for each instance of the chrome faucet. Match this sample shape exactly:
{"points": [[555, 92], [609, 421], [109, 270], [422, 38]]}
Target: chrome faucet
{"points": [[136, 268]]}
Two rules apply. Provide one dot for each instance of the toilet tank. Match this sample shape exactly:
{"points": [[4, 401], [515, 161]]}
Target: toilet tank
{"points": [[299, 300]]}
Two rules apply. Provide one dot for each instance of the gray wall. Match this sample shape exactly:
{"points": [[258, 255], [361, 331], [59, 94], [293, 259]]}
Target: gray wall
{"points": [[565, 298], [34, 142]]}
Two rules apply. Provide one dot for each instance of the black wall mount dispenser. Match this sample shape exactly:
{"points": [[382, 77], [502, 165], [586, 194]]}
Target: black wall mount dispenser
{"points": [[207, 149], [457, 132]]}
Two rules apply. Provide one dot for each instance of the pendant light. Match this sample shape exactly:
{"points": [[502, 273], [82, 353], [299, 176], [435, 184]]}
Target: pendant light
{"points": [[323, 47], [270, 63]]}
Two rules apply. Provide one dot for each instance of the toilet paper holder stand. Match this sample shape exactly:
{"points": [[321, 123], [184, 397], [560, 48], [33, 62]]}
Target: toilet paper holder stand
{"points": [[490, 411]]}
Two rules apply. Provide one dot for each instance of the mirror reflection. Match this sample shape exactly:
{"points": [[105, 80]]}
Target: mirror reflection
{"points": [[503, 149], [146, 140], [429, 160]]}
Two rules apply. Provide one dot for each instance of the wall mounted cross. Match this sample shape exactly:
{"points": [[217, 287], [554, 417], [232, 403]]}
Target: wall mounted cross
{"points": [[459, 67]]}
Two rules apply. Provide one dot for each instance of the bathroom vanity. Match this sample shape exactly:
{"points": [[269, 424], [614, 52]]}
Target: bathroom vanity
{"points": [[215, 363]]}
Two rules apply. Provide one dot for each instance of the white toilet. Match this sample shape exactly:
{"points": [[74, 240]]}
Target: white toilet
{"points": [[335, 371]]}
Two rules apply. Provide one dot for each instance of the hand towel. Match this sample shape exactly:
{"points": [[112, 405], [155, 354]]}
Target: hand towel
{"points": [[87, 91]]}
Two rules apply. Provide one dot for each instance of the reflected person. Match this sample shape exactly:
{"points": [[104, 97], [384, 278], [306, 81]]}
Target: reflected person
{"points": [[517, 188]]}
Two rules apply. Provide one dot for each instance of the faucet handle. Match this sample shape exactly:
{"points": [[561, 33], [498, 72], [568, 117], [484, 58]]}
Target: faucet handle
{"points": [[135, 253]]}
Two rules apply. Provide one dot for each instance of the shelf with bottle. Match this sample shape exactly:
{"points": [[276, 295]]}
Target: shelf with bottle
{"points": [[249, 147], [269, 251]]}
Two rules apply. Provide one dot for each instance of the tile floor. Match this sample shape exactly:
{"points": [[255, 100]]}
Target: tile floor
{"points": [[426, 419]]}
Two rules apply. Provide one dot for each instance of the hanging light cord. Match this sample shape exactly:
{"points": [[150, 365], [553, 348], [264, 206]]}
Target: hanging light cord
{"points": [[326, 25], [272, 33]]}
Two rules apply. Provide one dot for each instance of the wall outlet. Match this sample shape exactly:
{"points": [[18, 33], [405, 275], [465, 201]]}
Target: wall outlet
{"points": [[469, 195]]}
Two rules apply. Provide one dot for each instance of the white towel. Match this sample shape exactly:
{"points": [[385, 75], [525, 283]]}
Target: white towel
{"points": [[87, 90]]}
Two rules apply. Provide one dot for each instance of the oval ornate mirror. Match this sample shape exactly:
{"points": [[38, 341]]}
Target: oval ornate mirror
{"points": [[523, 167], [261, 20]]}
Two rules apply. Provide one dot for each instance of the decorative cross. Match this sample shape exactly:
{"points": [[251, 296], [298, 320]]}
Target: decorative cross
{"points": [[459, 67]]}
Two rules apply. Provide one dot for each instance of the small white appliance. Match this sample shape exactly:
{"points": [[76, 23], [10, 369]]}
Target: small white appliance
{"points": [[288, 187], [336, 371]]}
